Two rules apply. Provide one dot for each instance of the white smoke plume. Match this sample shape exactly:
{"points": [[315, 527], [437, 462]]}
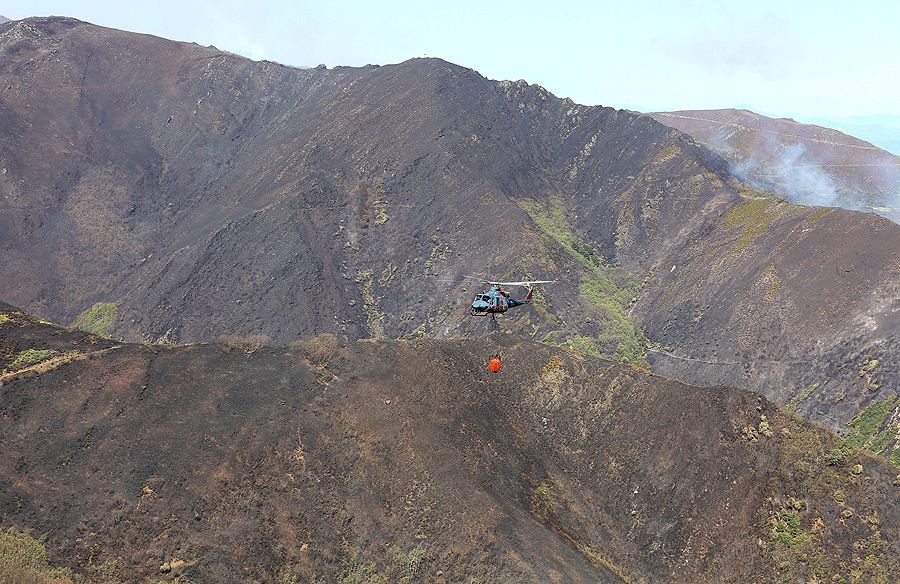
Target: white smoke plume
{"points": [[791, 172], [804, 182]]}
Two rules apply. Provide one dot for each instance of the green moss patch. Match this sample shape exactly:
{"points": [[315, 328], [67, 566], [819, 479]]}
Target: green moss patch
{"points": [[16, 317], [584, 345], [354, 571], [871, 430], [786, 531], [387, 274], [98, 319]]}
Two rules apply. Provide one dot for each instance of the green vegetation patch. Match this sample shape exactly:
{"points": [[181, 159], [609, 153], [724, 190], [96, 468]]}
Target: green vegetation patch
{"points": [[801, 397], [772, 282], [868, 371], [387, 274], [870, 430], [583, 345], [359, 573], [439, 252], [407, 567], [552, 222], [374, 317], [416, 333], [550, 338], [380, 205], [667, 153], [794, 542], [752, 433], [753, 218], [598, 560], [402, 567], [804, 536], [838, 454], [104, 572], [16, 317], [543, 500], [606, 287], [355, 571], [30, 357], [819, 213], [24, 559], [895, 460], [98, 319], [785, 530]]}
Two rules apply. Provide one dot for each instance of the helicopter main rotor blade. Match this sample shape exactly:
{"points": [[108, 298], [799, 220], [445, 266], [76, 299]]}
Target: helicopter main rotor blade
{"points": [[524, 283], [498, 283]]}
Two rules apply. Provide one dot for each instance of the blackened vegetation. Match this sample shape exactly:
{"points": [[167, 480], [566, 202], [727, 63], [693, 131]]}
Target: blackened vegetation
{"points": [[203, 194], [387, 461]]}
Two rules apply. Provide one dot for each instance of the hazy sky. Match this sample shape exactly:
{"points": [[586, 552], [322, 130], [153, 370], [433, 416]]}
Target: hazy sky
{"points": [[789, 57]]}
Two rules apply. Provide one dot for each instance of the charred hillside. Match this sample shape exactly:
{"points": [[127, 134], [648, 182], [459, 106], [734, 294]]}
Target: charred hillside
{"points": [[220, 192], [801, 162], [194, 193], [409, 461]]}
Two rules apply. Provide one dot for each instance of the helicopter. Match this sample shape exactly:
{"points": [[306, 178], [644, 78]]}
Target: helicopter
{"points": [[497, 300]]}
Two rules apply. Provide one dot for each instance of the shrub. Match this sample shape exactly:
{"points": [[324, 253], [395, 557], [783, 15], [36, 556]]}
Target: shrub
{"points": [[543, 500], [249, 344], [838, 454], [317, 350]]}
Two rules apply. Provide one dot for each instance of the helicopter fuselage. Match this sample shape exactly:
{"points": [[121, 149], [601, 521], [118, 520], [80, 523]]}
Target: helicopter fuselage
{"points": [[496, 301]]}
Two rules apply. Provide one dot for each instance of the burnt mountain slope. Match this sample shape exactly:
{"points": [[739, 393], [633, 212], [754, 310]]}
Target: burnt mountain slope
{"points": [[181, 178], [410, 461], [783, 308], [801, 162], [200, 193]]}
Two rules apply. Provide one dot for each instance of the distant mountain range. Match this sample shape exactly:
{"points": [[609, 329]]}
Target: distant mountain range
{"points": [[802, 163], [3, 19], [882, 130]]}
